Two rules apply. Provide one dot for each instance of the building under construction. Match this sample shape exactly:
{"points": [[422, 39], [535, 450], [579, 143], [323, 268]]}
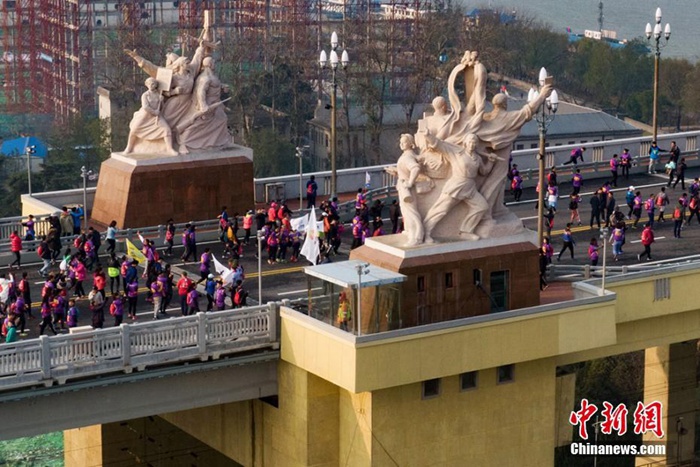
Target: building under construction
{"points": [[56, 52]]}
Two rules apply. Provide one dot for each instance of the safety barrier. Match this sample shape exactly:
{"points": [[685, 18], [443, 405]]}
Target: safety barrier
{"points": [[57, 359]]}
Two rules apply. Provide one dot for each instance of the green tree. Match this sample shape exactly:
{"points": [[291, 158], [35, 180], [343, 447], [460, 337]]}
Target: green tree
{"points": [[272, 154]]}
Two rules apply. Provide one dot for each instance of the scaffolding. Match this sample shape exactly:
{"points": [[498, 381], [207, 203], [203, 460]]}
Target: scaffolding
{"points": [[56, 51]]}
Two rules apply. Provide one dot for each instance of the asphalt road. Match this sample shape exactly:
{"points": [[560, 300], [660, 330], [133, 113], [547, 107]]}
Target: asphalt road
{"points": [[287, 281]]}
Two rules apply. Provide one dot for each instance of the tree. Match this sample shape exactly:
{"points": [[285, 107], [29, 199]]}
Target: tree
{"points": [[272, 154]]}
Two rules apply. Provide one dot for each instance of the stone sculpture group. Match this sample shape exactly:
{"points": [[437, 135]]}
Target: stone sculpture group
{"points": [[182, 106], [453, 188]]}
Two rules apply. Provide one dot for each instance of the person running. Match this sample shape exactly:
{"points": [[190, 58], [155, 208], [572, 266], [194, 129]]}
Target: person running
{"points": [[46, 315], [661, 202], [694, 208], [210, 289], [169, 237], [647, 240], [552, 196], [111, 237], [220, 296], [577, 181], [626, 163], [678, 214], [595, 208], [132, 291], [576, 155], [116, 309], [516, 185], [543, 271], [650, 208], [569, 242], [617, 238], [629, 199], [97, 305], [204, 265], [157, 296], [593, 251], [614, 165], [16, 248], [654, 152], [192, 300], [680, 174], [547, 249], [574, 201], [183, 287], [73, 314], [637, 208]]}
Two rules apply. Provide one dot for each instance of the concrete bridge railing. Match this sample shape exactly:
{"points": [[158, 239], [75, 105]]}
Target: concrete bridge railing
{"points": [[57, 359]]}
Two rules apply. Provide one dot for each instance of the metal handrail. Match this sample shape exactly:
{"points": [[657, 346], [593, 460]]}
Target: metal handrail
{"points": [[57, 359]]}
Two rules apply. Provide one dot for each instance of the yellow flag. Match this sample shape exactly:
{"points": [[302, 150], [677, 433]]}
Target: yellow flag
{"points": [[135, 253]]}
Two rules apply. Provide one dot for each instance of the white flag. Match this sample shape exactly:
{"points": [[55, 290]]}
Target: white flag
{"points": [[310, 248], [368, 180], [225, 273], [299, 224]]}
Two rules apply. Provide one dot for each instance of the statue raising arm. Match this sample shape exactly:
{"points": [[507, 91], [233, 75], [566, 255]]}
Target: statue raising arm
{"points": [[149, 67]]}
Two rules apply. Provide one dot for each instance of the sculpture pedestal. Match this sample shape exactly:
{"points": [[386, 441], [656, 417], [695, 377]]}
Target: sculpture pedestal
{"points": [[441, 283], [140, 190]]}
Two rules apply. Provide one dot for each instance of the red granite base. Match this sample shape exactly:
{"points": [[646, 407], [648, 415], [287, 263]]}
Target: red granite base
{"points": [[145, 194], [441, 287]]}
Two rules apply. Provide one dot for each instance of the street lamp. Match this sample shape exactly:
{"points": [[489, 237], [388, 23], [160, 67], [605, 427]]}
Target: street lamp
{"points": [[31, 150], [86, 174], [658, 45], [333, 62], [544, 116], [603, 238], [300, 154], [362, 268]]}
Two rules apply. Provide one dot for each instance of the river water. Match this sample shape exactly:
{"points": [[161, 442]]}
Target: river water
{"points": [[627, 17]]}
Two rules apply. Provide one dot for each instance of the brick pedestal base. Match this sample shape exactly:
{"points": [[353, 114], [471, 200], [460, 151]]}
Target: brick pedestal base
{"points": [[442, 278], [142, 190]]}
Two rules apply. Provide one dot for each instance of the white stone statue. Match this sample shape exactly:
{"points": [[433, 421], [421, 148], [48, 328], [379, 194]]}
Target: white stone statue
{"points": [[408, 168], [147, 123], [206, 124], [464, 154], [461, 187], [189, 111]]}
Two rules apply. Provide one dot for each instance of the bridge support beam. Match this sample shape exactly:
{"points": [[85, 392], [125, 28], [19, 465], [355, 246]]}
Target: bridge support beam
{"points": [[670, 378], [142, 441]]}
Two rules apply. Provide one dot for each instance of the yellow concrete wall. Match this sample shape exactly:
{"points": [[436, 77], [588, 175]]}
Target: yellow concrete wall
{"points": [[403, 360], [82, 447], [302, 431], [355, 428], [228, 428], [635, 298], [493, 425]]}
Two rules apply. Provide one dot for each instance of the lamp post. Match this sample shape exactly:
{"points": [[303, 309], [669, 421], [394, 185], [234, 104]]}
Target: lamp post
{"points": [[655, 32], [31, 150], [299, 155], [85, 174], [333, 63], [362, 268], [259, 235], [603, 238], [544, 116]]}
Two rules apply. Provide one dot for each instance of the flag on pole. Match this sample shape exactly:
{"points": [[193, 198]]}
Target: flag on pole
{"points": [[368, 180], [135, 253], [225, 273], [310, 248], [299, 223]]}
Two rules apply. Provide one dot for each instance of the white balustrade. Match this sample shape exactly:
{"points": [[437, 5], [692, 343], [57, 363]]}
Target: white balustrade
{"points": [[206, 335]]}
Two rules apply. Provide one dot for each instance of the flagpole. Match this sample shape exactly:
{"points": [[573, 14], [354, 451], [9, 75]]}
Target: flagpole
{"points": [[259, 267]]}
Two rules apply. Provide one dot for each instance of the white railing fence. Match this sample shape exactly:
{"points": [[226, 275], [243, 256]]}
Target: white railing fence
{"points": [[56, 359]]}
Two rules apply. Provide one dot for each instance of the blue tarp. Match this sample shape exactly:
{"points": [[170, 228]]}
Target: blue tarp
{"points": [[18, 147]]}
